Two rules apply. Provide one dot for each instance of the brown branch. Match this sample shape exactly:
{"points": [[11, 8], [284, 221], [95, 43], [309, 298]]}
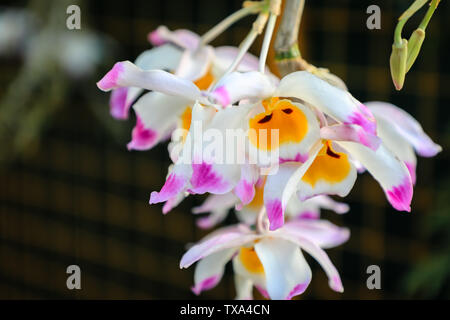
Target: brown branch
{"points": [[287, 53]]}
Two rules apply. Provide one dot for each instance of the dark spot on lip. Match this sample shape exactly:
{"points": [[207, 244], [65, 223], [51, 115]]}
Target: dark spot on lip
{"points": [[332, 154], [288, 110], [265, 119]]}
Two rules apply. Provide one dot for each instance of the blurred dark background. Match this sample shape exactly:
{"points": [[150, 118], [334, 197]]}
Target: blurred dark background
{"points": [[71, 193]]}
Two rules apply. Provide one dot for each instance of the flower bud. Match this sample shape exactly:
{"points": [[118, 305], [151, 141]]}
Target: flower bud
{"points": [[414, 45], [398, 63]]}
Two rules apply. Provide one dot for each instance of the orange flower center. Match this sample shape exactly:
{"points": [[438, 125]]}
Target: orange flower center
{"points": [[250, 260], [205, 81], [281, 115], [329, 165]]}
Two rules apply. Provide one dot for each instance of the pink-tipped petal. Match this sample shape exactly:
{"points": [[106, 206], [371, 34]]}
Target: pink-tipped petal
{"points": [[406, 126], [206, 284], [390, 172], [400, 196], [156, 116], [209, 270], [142, 138], [117, 103], [110, 80], [127, 74], [298, 289], [280, 187], [155, 38], [174, 185]]}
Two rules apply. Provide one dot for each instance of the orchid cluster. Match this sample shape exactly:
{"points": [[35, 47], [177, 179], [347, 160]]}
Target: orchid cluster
{"points": [[304, 140]]}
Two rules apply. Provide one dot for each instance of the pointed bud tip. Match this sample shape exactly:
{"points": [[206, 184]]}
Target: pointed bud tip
{"points": [[398, 63]]}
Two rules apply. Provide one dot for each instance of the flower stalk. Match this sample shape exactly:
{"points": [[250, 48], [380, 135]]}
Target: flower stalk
{"points": [[275, 6]]}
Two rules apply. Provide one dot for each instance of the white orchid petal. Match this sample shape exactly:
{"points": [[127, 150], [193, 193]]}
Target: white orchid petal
{"points": [[179, 179], [388, 170], [346, 132], [166, 57], [237, 86], [406, 126], [126, 74], [195, 64], [245, 188], [184, 38], [156, 114], [287, 272], [231, 237], [322, 232], [209, 270], [176, 183], [334, 280], [281, 186], [274, 190], [298, 209], [244, 287], [335, 102], [397, 144], [212, 171]]}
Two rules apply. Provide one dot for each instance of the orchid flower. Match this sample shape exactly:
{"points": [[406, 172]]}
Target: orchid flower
{"points": [[273, 261], [160, 111]]}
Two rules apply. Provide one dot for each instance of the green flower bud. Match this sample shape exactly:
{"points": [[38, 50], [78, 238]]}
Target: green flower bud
{"points": [[398, 63], [414, 45]]}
